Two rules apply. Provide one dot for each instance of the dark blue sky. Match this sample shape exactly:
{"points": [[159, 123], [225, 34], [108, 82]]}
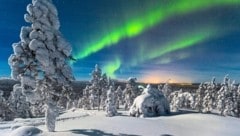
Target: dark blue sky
{"points": [[153, 40]]}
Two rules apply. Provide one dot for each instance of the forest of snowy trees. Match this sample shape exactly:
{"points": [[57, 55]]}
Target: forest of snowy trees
{"points": [[102, 94], [211, 97]]}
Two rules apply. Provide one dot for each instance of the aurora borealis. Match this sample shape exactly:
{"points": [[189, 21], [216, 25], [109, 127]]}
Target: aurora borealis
{"points": [[153, 40], [136, 25]]}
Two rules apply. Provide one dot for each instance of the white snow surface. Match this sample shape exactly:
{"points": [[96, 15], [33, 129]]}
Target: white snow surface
{"points": [[95, 123]]}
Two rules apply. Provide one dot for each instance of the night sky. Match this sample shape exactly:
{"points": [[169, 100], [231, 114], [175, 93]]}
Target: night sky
{"points": [[153, 40]]}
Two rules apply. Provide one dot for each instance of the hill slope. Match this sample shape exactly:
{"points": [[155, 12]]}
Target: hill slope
{"points": [[95, 123]]}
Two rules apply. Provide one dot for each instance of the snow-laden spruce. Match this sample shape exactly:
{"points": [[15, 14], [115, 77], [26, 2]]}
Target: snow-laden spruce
{"points": [[84, 101], [130, 92], [6, 112], [105, 83], [227, 100], [199, 98], [180, 99], [150, 103], [96, 87], [40, 59], [95, 95], [99, 86], [118, 97], [110, 103], [209, 98], [167, 90], [18, 104]]}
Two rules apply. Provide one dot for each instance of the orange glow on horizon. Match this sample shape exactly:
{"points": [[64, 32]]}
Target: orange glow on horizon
{"points": [[163, 78]]}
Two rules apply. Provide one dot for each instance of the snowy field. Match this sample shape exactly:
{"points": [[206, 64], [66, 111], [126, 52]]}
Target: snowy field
{"points": [[95, 123]]}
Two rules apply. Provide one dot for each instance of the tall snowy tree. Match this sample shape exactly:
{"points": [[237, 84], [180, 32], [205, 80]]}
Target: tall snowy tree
{"points": [[85, 99], [104, 83], [40, 59], [70, 97], [230, 97], [167, 90], [96, 86], [199, 98], [221, 98], [130, 92], [110, 104], [209, 98], [118, 98], [224, 97]]}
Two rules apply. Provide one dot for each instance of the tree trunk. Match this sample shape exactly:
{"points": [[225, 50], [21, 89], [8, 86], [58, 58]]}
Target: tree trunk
{"points": [[51, 115]]}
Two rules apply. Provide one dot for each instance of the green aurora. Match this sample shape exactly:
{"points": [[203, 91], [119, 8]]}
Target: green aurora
{"points": [[186, 41], [137, 25], [112, 67]]}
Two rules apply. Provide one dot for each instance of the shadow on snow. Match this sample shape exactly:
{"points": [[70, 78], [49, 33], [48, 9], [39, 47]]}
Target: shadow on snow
{"points": [[95, 132]]}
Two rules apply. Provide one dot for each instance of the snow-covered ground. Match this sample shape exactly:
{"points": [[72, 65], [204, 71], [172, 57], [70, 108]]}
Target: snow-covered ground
{"points": [[82, 122]]}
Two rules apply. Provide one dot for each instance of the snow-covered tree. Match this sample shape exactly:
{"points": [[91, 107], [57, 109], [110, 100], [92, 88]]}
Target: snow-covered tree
{"points": [[209, 100], [84, 101], [238, 102], [167, 90], [207, 103], [38, 109], [2, 99], [18, 103], [175, 102], [160, 89], [2, 104], [221, 98], [227, 100], [226, 80], [40, 59], [180, 100], [199, 98], [234, 88], [118, 97], [150, 103], [5, 112], [96, 86], [92, 99], [130, 92], [110, 104], [104, 84], [71, 96], [230, 98]]}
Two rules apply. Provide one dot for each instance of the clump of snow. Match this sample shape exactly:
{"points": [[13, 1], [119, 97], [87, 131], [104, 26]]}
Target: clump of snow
{"points": [[151, 103], [26, 131]]}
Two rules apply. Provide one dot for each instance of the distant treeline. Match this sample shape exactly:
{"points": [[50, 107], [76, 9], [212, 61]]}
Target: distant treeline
{"points": [[7, 86]]}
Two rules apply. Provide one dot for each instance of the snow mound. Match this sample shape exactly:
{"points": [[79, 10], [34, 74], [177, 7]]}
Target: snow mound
{"points": [[149, 104], [26, 131]]}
